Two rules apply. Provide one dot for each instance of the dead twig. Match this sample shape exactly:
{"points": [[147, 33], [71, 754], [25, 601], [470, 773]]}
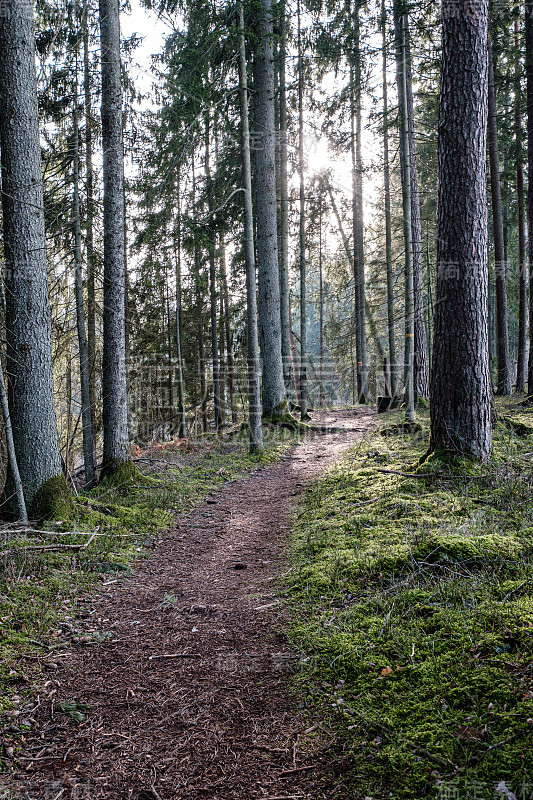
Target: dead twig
{"points": [[175, 655], [288, 772], [50, 548]]}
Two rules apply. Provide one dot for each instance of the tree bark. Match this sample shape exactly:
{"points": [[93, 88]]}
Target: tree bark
{"points": [[460, 387], [227, 330], [400, 24], [500, 271], [89, 233], [529, 90], [284, 204], [301, 229], [182, 426], [212, 283], [114, 389], [254, 392], [29, 346], [388, 228], [521, 365], [87, 434], [274, 400], [357, 209]]}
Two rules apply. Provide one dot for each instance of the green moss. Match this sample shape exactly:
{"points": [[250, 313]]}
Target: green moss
{"points": [[53, 500], [413, 607], [120, 473]]}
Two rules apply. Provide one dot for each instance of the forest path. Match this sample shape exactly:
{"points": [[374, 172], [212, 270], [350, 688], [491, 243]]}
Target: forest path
{"points": [[218, 722]]}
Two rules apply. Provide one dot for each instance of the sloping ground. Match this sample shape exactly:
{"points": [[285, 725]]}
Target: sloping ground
{"points": [[179, 689]]}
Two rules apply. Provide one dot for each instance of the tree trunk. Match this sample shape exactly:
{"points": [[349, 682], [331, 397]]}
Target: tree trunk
{"points": [[29, 346], [87, 434], [274, 401], [521, 366], [421, 378], [500, 272], [400, 24], [254, 399], [301, 232], [182, 427], [357, 211], [460, 387], [529, 73], [284, 204], [212, 283], [388, 228], [321, 305], [114, 390], [89, 217], [227, 330]]}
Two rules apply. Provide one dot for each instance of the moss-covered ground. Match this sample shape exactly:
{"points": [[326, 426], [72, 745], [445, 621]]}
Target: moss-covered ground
{"points": [[413, 609], [39, 589]]}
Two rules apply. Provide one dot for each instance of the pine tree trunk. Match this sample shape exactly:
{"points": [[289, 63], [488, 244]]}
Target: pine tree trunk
{"points": [[284, 204], [212, 284], [421, 378], [182, 427], [529, 90], [301, 232], [400, 24], [254, 390], [29, 347], [460, 387], [274, 401], [500, 272], [359, 253], [89, 216], [357, 210], [114, 390], [521, 366], [87, 434], [227, 330], [321, 305], [388, 228]]}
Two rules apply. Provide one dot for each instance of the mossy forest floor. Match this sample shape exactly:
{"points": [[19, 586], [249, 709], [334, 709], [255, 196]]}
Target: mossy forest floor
{"points": [[413, 606]]}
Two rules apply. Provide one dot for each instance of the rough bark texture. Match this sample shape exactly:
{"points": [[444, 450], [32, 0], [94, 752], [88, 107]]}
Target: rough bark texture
{"points": [[284, 205], [267, 246], [387, 202], [89, 217], [114, 400], [529, 73], [29, 347], [460, 388], [227, 330], [87, 434], [400, 25], [357, 210], [421, 377], [182, 426], [500, 271], [301, 231], [212, 284], [521, 365], [254, 391]]}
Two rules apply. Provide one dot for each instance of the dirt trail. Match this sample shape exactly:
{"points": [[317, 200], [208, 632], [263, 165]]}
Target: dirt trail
{"points": [[218, 722]]}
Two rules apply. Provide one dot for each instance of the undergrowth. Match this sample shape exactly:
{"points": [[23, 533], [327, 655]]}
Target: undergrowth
{"points": [[413, 600], [39, 590]]}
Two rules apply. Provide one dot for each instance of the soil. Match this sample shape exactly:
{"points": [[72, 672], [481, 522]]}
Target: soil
{"points": [[188, 691]]}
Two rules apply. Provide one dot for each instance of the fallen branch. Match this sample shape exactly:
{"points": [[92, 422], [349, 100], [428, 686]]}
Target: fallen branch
{"points": [[176, 655], [287, 772], [50, 548]]}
